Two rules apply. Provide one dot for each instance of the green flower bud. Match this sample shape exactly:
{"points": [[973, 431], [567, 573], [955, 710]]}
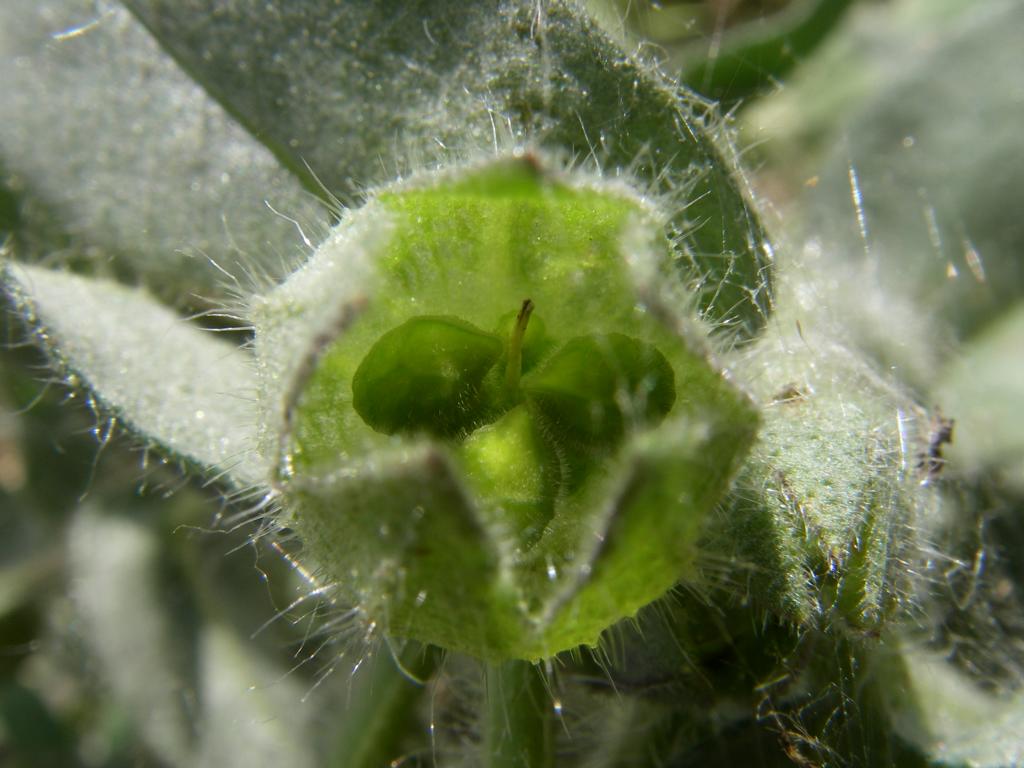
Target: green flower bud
{"points": [[830, 504], [509, 494]]}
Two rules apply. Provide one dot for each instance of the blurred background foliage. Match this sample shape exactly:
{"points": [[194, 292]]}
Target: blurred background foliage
{"points": [[884, 137]]}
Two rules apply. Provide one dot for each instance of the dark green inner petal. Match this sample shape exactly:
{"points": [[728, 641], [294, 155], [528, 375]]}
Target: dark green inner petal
{"points": [[425, 376], [595, 387]]}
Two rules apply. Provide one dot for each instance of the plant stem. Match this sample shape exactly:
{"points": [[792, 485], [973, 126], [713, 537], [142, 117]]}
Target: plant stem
{"points": [[382, 702], [519, 717]]}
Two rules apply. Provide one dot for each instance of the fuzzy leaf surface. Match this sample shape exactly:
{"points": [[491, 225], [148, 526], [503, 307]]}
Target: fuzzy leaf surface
{"points": [[922, 193], [114, 159], [954, 721], [141, 645], [167, 380], [250, 714], [755, 58], [389, 85], [983, 392]]}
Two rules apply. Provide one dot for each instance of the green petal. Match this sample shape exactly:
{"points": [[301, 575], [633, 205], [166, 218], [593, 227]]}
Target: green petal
{"points": [[425, 376], [595, 387]]}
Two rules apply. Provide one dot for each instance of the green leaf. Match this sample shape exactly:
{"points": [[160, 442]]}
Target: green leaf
{"points": [[115, 159], [142, 648], [755, 58], [982, 391], [162, 377], [940, 710], [926, 188], [250, 708], [440, 79]]}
